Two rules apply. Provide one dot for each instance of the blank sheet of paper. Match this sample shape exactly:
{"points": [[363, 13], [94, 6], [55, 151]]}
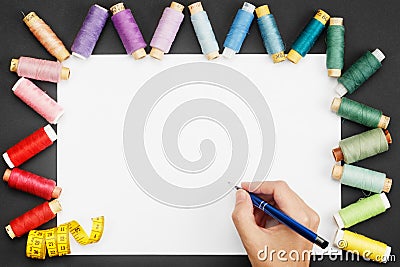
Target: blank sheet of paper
{"points": [[155, 146]]}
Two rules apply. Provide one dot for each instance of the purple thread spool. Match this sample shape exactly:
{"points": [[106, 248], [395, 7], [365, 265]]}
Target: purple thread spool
{"points": [[166, 31], [128, 31], [87, 37]]}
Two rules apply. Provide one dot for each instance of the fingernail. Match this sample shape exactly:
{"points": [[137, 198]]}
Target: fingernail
{"points": [[240, 196]]}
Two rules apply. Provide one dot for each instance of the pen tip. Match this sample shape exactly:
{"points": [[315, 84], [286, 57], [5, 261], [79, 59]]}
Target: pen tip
{"points": [[237, 187]]}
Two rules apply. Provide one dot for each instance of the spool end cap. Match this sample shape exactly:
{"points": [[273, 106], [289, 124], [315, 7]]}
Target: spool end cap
{"points": [[340, 89], [139, 54], [378, 54], [338, 154], [228, 52], [294, 56], [156, 53], [338, 220], [10, 231], [335, 73]]}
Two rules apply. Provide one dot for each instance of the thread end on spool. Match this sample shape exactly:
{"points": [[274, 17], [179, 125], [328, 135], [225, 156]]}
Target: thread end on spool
{"points": [[212, 55], [6, 175], [195, 8], [378, 54], [338, 154], [335, 73], [8, 160], [65, 73], [14, 65], [336, 21], [340, 89], [30, 17], [294, 56], [337, 172], [139, 54], [10, 231], [336, 104], [388, 137], [50, 132], [228, 52], [384, 122], [117, 8], [56, 192], [338, 220], [156, 53], [387, 185], [278, 57], [262, 11], [248, 7], [55, 206], [177, 6]]}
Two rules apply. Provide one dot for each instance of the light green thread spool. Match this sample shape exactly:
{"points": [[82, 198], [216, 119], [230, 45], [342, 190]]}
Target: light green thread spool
{"points": [[362, 178], [335, 47], [362, 210], [361, 146], [360, 113]]}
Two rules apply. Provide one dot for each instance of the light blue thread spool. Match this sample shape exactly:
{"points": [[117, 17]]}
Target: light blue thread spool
{"points": [[204, 32], [270, 34], [238, 31]]}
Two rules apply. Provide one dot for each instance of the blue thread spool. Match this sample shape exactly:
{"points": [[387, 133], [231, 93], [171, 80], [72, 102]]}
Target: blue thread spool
{"points": [[308, 36], [238, 31], [204, 32], [270, 34]]}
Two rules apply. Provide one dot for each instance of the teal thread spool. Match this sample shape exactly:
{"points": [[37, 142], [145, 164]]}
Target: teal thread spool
{"points": [[239, 30], [335, 47], [270, 34], [308, 36], [362, 210], [362, 146], [362, 178], [204, 32], [359, 72], [360, 113]]}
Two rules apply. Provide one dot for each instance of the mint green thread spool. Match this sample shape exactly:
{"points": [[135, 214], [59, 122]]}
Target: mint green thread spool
{"points": [[360, 113], [362, 146], [335, 47], [359, 72], [362, 210], [362, 178]]}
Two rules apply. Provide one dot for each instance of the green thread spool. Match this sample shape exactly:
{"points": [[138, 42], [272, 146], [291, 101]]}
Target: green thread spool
{"points": [[359, 72], [362, 178], [335, 47], [362, 210], [360, 113], [362, 146]]}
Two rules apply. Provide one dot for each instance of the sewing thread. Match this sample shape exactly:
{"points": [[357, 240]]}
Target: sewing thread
{"points": [[335, 47]]}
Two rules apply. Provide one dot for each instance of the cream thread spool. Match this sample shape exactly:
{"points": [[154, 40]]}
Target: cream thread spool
{"points": [[64, 74]]}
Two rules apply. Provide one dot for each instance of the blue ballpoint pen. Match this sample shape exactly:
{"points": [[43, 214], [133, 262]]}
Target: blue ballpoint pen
{"points": [[286, 220]]}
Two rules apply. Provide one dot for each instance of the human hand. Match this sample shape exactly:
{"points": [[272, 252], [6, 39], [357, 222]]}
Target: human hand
{"points": [[250, 223]]}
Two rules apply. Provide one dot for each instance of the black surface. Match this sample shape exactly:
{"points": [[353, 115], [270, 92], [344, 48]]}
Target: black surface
{"points": [[369, 24]]}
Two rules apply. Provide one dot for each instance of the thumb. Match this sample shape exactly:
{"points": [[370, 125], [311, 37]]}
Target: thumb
{"points": [[243, 217]]}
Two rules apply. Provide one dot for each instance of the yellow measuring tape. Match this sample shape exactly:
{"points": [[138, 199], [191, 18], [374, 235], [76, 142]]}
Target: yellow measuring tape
{"points": [[56, 240]]}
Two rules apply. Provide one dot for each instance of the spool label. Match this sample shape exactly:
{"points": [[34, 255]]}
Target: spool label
{"points": [[322, 16]]}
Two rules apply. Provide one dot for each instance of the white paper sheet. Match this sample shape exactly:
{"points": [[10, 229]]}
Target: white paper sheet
{"points": [[96, 181]]}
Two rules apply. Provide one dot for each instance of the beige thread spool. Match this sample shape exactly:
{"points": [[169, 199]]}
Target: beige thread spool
{"points": [[44, 35], [155, 52], [335, 72], [115, 9], [64, 74]]}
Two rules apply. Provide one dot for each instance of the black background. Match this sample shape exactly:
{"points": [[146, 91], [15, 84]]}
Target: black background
{"points": [[369, 24]]}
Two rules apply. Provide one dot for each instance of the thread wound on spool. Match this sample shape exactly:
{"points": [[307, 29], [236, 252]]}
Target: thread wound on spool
{"points": [[45, 35], [128, 31], [270, 34], [335, 47], [307, 38], [166, 30], [38, 100], [90, 31]]}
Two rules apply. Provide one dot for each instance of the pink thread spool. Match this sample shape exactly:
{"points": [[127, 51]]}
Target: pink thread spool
{"points": [[38, 100], [39, 69], [166, 31]]}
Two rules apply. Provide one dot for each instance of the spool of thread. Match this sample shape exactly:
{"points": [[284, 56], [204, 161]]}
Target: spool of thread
{"points": [[239, 30], [30, 146], [362, 146], [31, 183], [360, 113], [359, 72], [166, 31], [90, 31], [307, 38], [38, 100], [204, 32], [34, 218], [335, 47], [362, 178], [39, 69], [128, 31], [366, 247], [362, 210], [270, 34], [46, 36]]}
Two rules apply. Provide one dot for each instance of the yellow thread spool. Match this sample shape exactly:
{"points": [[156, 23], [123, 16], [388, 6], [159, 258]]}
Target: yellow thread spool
{"points": [[364, 246]]}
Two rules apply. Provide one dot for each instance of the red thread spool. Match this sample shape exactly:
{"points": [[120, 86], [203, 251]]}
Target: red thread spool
{"points": [[33, 218], [30, 146], [32, 183]]}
